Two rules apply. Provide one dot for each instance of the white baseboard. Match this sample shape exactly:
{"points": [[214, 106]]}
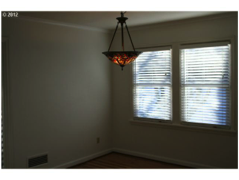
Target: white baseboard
{"points": [[84, 159], [163, 159]]}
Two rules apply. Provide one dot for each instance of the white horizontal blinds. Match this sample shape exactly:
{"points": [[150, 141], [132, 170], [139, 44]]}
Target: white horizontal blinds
{"points": [[152, 85], [205, 80], [206, 105]]}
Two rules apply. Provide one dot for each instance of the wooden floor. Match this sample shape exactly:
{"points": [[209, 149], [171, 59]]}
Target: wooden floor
{"points": [[121, 161]]}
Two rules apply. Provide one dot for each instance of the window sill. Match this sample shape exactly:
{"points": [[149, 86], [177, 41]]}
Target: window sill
{"points": [[186, 127]]}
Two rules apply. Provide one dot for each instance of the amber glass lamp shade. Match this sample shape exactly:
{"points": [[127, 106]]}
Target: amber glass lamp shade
{"points": [[122, 58]]}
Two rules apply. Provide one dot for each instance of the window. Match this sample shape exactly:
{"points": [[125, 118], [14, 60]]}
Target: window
{"points": [[205, 84], [201, 89], [152, 85]]}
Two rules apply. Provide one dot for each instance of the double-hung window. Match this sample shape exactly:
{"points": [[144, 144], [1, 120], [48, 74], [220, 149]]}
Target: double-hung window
{"points": [[205, 84], [152, 85]]}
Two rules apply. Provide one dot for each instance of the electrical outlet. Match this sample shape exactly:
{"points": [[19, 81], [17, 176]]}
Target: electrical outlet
{"points": [[98, 140]]}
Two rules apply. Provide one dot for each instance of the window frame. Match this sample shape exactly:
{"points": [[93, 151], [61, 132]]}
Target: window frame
{"points": [[176, 122], [201, 45], [158, 48]]}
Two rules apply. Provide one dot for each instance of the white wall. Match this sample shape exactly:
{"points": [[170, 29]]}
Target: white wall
{"points": [[59, 93], [182, 145]]}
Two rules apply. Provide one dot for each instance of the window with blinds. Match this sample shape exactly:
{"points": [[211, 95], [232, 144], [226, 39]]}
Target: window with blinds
{"points": [[205, 84], [152, 85]]}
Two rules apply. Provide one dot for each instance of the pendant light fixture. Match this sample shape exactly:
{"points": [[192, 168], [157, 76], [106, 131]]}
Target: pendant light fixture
{"points": [[122, 58]]}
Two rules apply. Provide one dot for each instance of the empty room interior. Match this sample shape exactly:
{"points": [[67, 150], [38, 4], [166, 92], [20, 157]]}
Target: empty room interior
{"points": [[112, 89]]}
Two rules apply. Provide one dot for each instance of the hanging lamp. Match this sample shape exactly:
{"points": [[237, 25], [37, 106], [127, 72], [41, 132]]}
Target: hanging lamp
{"points": [[122, 58]]}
